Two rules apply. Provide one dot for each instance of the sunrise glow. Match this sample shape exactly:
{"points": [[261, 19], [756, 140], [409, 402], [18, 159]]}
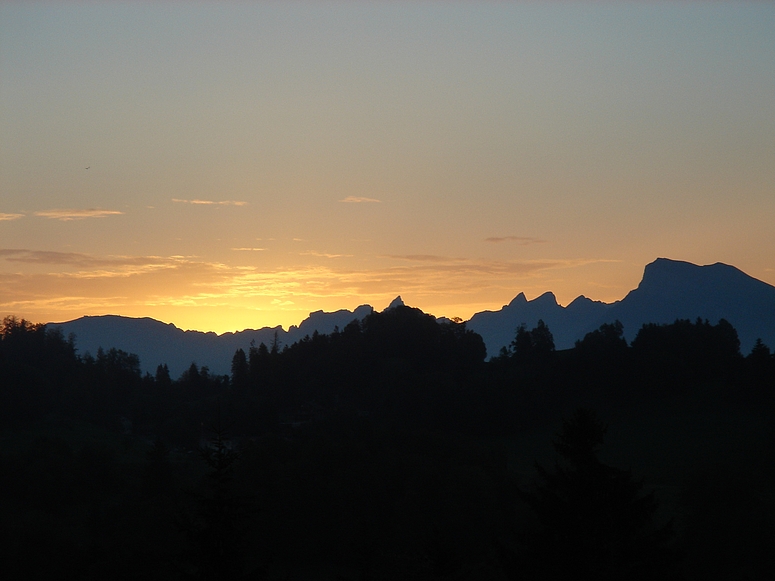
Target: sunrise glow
{"points": [[224, 166]]}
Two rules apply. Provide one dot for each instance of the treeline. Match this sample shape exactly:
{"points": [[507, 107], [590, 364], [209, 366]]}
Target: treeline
{"points": [[387, 449], [401, 367]]}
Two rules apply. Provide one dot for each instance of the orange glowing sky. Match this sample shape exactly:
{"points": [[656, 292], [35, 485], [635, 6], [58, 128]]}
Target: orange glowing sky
{"points": [[251, 162]]}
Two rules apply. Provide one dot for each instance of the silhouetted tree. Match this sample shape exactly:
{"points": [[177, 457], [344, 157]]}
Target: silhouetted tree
{"points": [[760, 375], [217, 526], [592, 520], [608, 340], [38, 367], [676, 359], [240, 372], [275, 345], [536, 344], [163, 379], [760, 351], [522, 343]]}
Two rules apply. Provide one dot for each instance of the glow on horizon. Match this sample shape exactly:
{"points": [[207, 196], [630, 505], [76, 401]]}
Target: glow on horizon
{"points": [[224, 166]]}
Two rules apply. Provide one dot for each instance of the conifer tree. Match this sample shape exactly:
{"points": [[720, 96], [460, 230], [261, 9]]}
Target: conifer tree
{"points": [[592, 520], [215, 529]]}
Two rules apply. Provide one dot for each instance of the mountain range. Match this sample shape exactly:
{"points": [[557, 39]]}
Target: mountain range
{"points": [[669, 290]]}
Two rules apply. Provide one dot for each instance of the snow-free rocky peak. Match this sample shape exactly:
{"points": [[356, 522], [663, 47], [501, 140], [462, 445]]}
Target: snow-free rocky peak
{"points": [[396, 302]]}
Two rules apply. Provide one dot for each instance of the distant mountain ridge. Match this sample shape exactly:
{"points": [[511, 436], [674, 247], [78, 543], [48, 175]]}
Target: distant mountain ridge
{"points": [[669, 290], [163, 343]]}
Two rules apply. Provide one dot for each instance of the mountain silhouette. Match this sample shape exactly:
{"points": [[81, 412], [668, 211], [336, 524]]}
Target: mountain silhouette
{"points": [[669, 290], [396, 302], [567, 324], [672, 289], [157, 343]]}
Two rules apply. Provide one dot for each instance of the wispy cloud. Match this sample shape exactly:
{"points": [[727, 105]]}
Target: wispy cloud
{"points": [[57, 285], [6, 217], [210, 202], [475, 269], [424, 258], [248, 249], [91, 266], [75, 214], [77, 304], [324, 254], [521, 240], [359, 200], [42, 256]]}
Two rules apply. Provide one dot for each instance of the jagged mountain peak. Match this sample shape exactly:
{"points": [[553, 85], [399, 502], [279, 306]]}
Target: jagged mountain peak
{"points": [[396, 302], [520, 299], [581, 300], [547, 298]]}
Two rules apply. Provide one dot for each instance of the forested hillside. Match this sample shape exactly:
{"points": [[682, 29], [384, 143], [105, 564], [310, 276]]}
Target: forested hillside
{"points": [[391, 449]]}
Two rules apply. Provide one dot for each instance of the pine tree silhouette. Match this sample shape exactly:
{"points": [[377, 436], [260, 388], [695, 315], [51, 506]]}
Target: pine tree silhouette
{"points": [[216, 527], [593, 522]]}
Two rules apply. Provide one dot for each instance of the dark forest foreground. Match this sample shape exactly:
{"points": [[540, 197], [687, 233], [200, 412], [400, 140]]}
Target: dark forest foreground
{"points": [[391, 450]]}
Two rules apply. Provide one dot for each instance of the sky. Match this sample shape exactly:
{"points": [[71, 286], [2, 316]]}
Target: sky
{"points": [[233, 165]]}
